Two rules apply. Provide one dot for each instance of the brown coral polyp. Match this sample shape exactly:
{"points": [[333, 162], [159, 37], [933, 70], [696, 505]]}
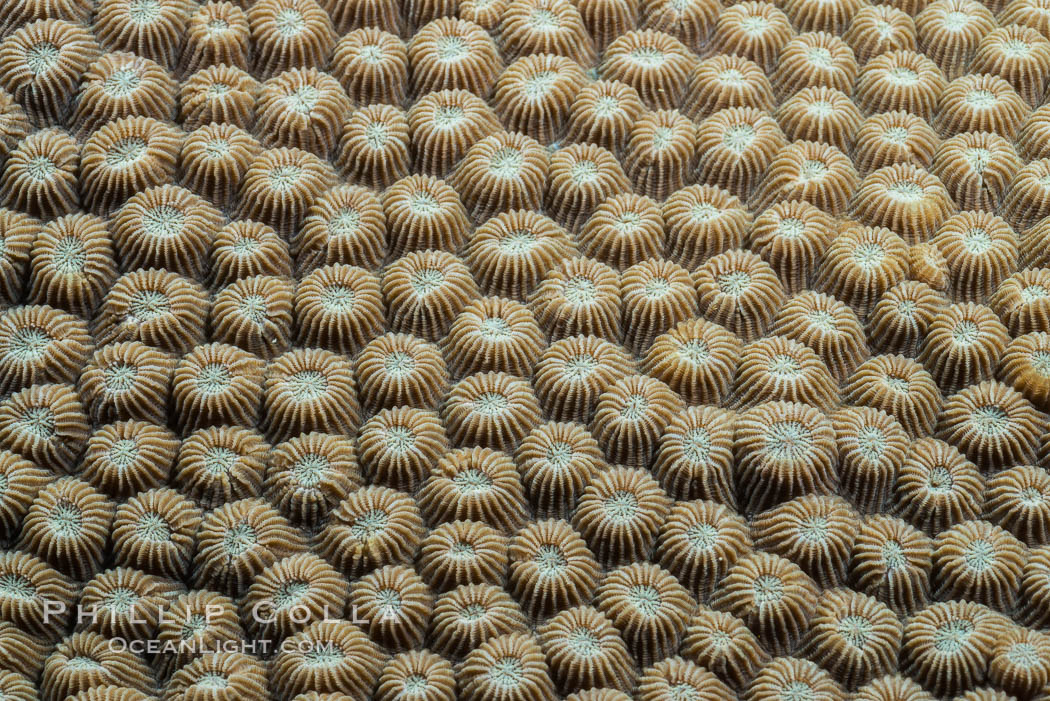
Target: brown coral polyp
{"points": [[301, 108], [501, 173], [73, 264], [155, 31], [444, 124], [581, 178], [812, 59], [899, 386], [374, 148], [950, 31], [453, 54], [545, 27], [557, 461], [603, 113], [754, 30], [216, 34], [127, 457], [655, 64], [703, 221], [493, 334], [903, 198], [124, 157], [339, 308], [660, 154], [740, 291], [534, 94], [155, 532], [700, 563], [424, 213], [544, 590], [221, 464], [979, 102], [123, 85], [735, 146], [827, 326], [400, 446], [219, 94], [289, 34], [581, 296], [476, 484], [279, 185], [244, 249], [697, 359], [156, 307], [396, 370], [309, 389], [872, 446], [40, 175], [255, 314], [819, 174], [492, 409], [462, 552], [894, 137], [424, 291], [573, 372], [372, 66], [776, 368], [619, 514], [725, 81], [976, 168], [346, 225], [572, 667]]}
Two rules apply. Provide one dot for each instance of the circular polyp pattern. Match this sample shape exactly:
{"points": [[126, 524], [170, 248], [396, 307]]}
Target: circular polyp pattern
{"points": [[861, 264], [816, 173], [124, 458], [464, 552], [216, 384], [443, 125], [872, 446], [786, 675], [950, 31], [39, 345], [928, 266], [630, 416], [1027, 200], [424, 213], [351, 665], [827, 326], [814, 532], [603, 113], [976, 168], [124, 157], [551, 569], [675, 674], [696, 358], [977, 561], [605, 21], [892, 138], [245, 249], [301, 108], [963, 346], [400, 446], [879, 29], [424, 291], [703, 221], [45, 424], [166, 227], [791, 236], [573, 372], [217, 34], [980, 250], [123, 85], [501, 173], [545, 27], [534, 94], [289, 34], [156, 307], [345, 225], [397, 604], [690, 22], [155, 532], [72, 264], [85, 661], [474, 484], [1033, 134], [471, 614], [620, 514], [585, 651], [40, 175], [218, 94], [493, 334], [655, 64], [648, 606], [725, 81], [453, 54], [992, 424], [903, 198], [900, 387], [214, 159], [721, 642], [305, 579], [129, 601], [891, 562], [657, 295], [395, 370], [68, 527], [255, 314], [374, 149], [1025, 366], [1020, 663], [221, 464], [755, 30], [415, 672], [740, 291], [832, 17], [820, 114], [339, 308], [234, 671], [309, 389], [980, 102], [1019, 55], [372, 66], [23, 481], [279, 186], [382, 14], [510, 254], [813, 59], [699, 541], [937, 487], [783, 450], [855, 637], [695, 455], [26, 613], [482, 676], [775, 368], [155, 30], [239, 540], [947, 645], [581, 178], [557, 461], [42, 64], [771, 595], [579, 297], [126, 381], [735, 147], [492, 409], [660, 155], [17, 233]]}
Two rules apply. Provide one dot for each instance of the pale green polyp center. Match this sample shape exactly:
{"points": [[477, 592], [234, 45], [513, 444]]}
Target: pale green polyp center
{"points": [[122, 83]]}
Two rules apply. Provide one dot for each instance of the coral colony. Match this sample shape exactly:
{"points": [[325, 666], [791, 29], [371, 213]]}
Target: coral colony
{"points": [[525, 350]]}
